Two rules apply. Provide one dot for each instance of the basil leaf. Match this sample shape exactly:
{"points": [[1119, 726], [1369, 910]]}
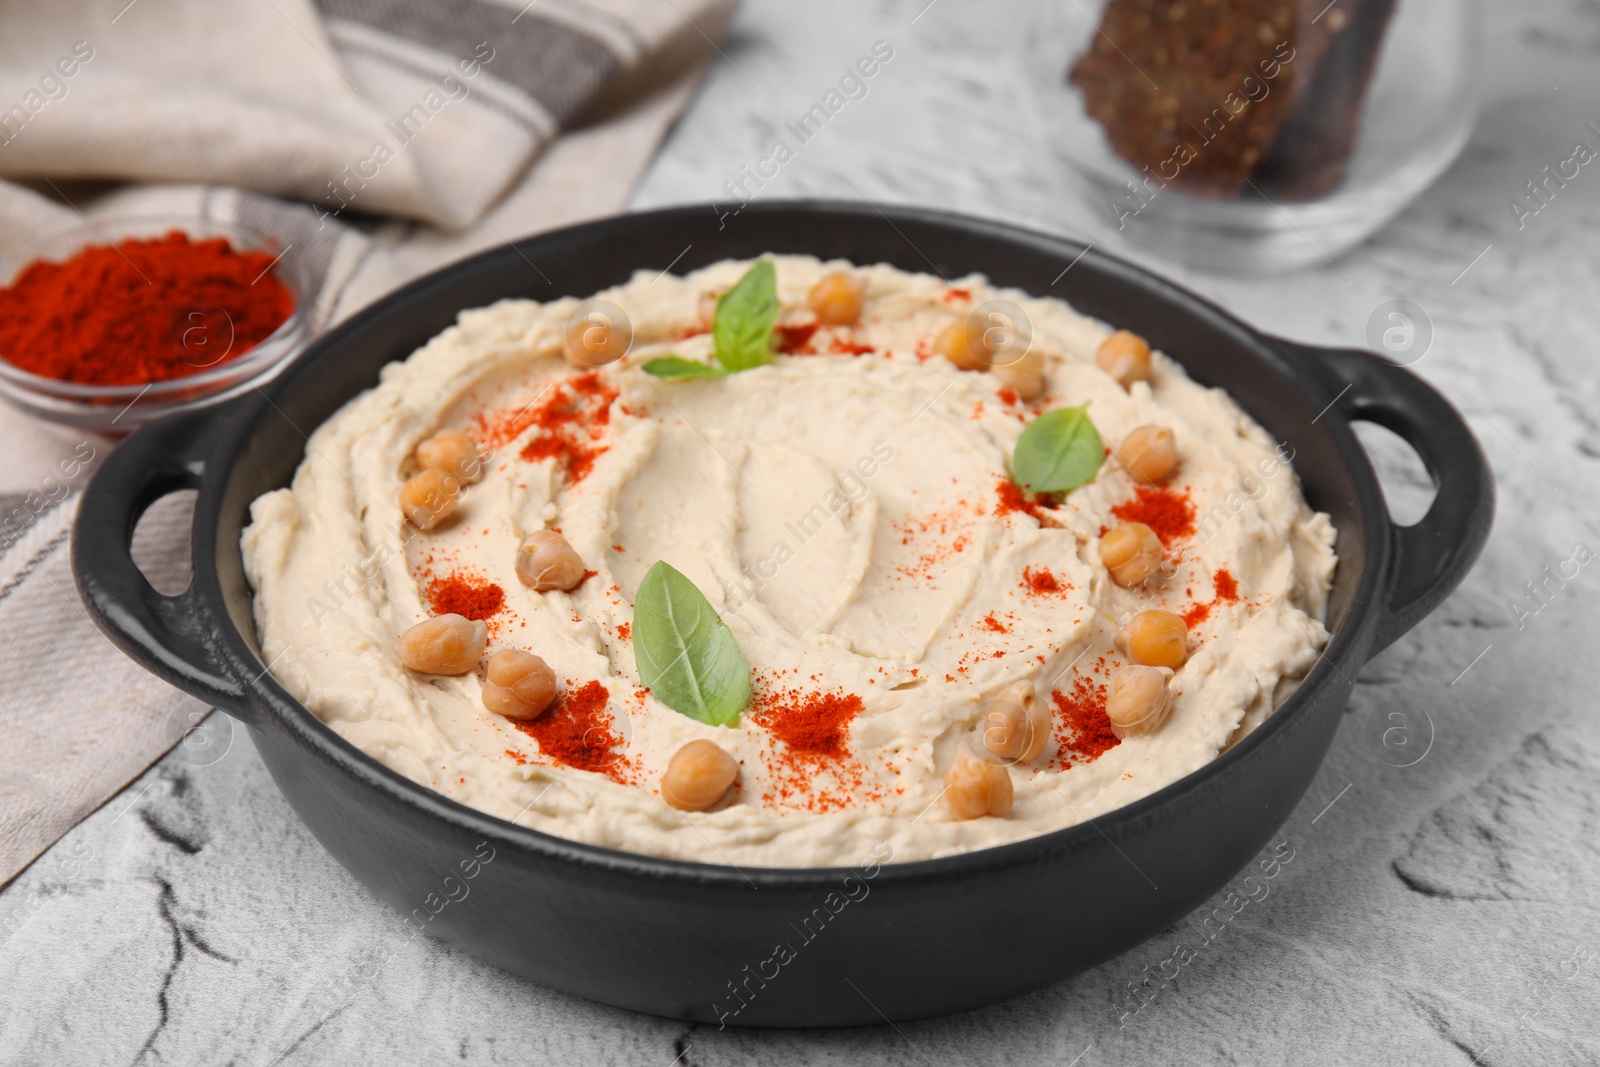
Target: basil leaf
{"points": [[687, 655], [1059, 450], [742, 327], [678, 367]]}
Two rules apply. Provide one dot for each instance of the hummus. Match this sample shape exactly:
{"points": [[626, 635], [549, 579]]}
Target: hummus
{"points": [[847, 509]]}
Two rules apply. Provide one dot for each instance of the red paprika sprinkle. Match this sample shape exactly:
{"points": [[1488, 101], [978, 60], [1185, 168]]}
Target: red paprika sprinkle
{"points": [[812, 725], [1013, 499], [577, 731], [1168, 512], [793, 337], [841, 346], [811, 768], [143, 310], [460, 595], [1227, 588], [1041, 582], [1082, 726], [1227, 592], [571, 421]]}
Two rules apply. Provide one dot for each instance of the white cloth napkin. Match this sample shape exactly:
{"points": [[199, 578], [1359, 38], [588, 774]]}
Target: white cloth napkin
{"points": [[247, 103]]}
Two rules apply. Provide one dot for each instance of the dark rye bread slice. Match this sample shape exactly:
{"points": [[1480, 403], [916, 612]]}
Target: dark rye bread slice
{"points": [[1201, 94], [1308, 158]]}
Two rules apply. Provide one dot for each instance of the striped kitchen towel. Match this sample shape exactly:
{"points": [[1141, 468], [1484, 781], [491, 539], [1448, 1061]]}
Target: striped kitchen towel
{"points": [[266, 111], [426, 109]]}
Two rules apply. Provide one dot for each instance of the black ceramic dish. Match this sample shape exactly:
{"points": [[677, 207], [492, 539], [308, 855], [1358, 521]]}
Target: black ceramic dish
{"points": [[697, 941]]}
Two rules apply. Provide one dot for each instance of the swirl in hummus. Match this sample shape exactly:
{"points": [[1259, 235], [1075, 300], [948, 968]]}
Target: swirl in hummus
{"points": [[848, 510]]}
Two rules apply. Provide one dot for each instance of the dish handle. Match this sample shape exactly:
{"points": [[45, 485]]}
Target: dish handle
{"points": [[167, 635], [1428, 559]]}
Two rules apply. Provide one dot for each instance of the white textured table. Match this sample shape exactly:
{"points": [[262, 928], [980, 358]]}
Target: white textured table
{"points": [[1443, 912]]}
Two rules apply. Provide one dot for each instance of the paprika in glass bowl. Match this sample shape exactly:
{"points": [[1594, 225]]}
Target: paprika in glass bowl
{"points": [[121, 321]]}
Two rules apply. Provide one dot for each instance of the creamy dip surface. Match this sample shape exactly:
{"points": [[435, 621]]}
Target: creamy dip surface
{"points": [[849, 512]]}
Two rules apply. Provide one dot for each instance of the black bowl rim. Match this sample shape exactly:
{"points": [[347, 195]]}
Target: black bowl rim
{"points": [[1346, 644]]}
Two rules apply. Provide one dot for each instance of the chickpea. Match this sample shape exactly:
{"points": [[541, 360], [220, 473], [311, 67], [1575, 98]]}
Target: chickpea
{"points": [[957, 343], [1023, 374], [1015, 725], [1125, 356], [1131, 552], [1155, 639], [1139, 700], [974, 788], [836, 298], [594, 342], [520, 685], [429, 497], [444, 644], [1148, 454], [453, 452], [545, 561], [698, 776]]}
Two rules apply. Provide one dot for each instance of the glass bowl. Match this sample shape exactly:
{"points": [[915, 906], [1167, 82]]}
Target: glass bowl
{"points": [[1195, 160], [118, 409]]}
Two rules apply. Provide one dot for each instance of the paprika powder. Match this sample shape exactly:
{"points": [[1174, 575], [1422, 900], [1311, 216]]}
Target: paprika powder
{"points": [[142, 310]]}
